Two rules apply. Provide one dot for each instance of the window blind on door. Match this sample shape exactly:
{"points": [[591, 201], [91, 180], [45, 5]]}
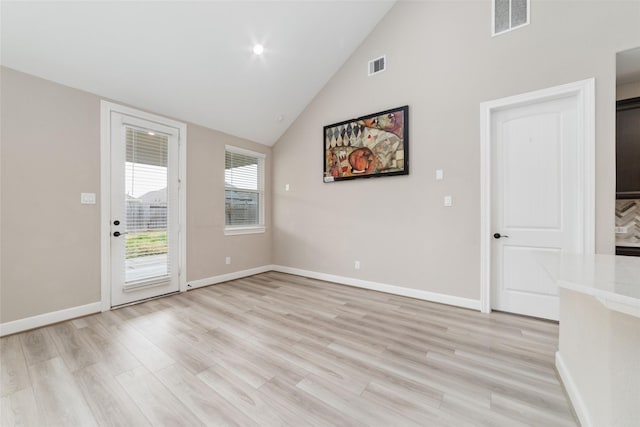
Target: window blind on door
{"points": [[146, 193]]}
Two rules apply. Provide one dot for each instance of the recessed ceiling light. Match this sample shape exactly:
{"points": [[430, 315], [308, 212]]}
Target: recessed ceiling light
{"points": [[258, 49]]}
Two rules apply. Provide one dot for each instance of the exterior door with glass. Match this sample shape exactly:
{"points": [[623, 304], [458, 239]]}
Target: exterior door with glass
{"points": [[145, 222]]}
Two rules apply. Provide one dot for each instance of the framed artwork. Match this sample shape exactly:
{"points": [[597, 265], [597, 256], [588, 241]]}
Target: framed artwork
{"points": [[370, 146]]}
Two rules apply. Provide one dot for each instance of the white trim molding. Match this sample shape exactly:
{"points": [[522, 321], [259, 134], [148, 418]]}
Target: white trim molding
{"points": [[584, 91], [253, 229], [259, 227], [45, 319], [194, 284], [96, 307], [106, 109], [238, 150], [383, 287], [572, 390]]}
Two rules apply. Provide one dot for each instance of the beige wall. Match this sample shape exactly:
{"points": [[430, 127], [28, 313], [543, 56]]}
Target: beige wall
{"points": [[443, 63], [50, 153], [207, 246]]}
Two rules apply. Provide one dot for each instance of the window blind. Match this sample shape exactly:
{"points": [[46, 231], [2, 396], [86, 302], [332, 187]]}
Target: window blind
{"points": [[244, 188], [146, 206]]}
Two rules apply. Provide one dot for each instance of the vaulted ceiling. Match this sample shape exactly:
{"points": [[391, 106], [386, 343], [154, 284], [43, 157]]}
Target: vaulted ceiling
{"points": [[193, 61]]}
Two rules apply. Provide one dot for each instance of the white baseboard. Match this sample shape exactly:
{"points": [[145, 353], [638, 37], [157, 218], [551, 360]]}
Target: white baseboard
{"points": [[573, 392], [193, 284], [33, 322], [96, 307], [382, 287]]}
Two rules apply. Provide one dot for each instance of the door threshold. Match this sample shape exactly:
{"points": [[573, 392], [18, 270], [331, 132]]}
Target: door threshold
{"points": [[115, 307], [526, 316]]}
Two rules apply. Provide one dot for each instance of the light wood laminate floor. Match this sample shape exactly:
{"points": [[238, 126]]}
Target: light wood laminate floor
{"points": [[276, 349]]}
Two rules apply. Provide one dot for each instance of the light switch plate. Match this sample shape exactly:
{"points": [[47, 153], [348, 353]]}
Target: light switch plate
{"points": [[286, 187], [439, 175], [448, 201], [88, 198]]}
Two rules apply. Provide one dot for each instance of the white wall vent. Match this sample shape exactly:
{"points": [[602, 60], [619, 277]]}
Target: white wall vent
{"points": [[377, 65], [508, 15]]}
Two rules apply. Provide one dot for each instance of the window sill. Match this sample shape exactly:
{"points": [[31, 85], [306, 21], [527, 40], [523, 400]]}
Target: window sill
{"points": [[233, 231]]}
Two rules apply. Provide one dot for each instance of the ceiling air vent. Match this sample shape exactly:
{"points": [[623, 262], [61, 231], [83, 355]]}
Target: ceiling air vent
{"points": [[509, 15], [377, 65]]}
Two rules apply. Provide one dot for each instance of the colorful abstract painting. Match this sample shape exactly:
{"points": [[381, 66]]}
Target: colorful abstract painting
{"points": [[371, 146]]}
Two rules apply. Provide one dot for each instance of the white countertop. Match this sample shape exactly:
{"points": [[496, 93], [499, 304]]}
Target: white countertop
{"points": [[613, 280]]}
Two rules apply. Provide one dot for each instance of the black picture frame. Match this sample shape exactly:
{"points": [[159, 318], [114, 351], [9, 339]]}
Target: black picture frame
{"points": [[370, 146]]}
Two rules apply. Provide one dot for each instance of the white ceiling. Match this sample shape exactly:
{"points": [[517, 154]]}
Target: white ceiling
{"points": [[192, 60]]}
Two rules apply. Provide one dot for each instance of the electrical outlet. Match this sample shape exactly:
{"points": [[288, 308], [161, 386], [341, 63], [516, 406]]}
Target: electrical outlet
{"points": [[448, 201], [228, 260], [622, 230], [356, 265]]}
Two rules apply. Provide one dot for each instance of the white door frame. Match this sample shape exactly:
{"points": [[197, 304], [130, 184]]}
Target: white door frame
{"points": [[584, 91], [106, 108]]}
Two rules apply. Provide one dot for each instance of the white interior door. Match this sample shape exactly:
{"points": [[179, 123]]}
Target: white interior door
{"points": [[535, 203], [145, 224]]}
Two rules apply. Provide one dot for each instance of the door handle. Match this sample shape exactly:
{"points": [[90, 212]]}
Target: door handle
{"points": [[498, 236], [117, 233]]}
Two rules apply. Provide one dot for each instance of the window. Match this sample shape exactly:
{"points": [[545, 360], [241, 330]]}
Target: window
{"points": [[509, 15], [244, 191]]}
